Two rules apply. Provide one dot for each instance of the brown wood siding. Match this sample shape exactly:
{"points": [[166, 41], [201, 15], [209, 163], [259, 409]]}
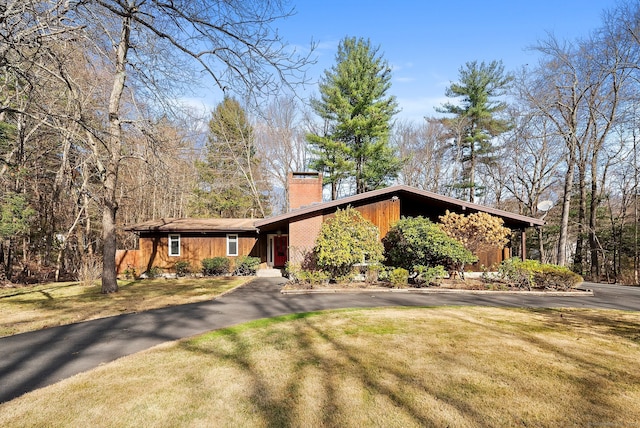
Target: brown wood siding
{"points": [[383, 214], [154, 250], [489, 260], [127, 259]]}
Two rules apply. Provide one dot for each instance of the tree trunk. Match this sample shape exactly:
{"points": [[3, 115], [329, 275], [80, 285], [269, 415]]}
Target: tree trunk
{"points": [[8, 269], [3, 266], [109, 275], [472, 173], [566, 206], [578, 260], [541, 244], [593, 216], [110, 175]]}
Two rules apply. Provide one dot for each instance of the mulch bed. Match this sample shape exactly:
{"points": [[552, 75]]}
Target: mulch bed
{"points": [[445, 284]]}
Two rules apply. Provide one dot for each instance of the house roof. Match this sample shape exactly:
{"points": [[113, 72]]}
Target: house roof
{"points": [[416, 202], [195, 225], [421, 200]]}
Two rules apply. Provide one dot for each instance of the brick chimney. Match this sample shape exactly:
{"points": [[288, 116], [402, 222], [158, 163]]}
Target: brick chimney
{"points": [[305, 188]]}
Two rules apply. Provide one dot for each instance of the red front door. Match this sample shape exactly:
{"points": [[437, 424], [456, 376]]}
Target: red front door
{"points": [[280, 244]]}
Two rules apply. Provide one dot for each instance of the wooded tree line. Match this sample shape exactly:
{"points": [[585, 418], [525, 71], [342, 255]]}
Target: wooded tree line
{"points": [[93, 136]]}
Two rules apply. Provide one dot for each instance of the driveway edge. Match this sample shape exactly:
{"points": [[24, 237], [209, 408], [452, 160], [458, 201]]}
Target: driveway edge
{"points": [[580, 293]]}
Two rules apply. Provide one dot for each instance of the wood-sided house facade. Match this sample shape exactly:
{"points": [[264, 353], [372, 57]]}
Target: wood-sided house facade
{"points": [[289, 236]]}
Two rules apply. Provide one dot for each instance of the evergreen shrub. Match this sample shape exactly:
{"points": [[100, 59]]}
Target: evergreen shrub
{"points": [[416, 241], [182, 268], [216, 266], [399, 277], [247, 266], [346, 240], [533, 274]]}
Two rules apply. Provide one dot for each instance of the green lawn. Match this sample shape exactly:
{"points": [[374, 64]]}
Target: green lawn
{"points": [[35, 307], [391, 367]]}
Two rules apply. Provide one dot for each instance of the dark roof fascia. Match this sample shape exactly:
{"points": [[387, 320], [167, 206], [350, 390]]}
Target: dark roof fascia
{"points": [[531, 221], [173, 227], [319, 207], [194, 231]]}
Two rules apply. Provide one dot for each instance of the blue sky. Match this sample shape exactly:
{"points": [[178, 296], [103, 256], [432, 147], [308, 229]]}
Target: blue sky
{"points": [[427, 41]]}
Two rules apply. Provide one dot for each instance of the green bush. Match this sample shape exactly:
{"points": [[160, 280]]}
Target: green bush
{"points": [[399, 277], [130, 273], [154, 272], [372, 272], [303, 276], [533, 274], [313, 277], [182, 268], [416, 241], [556, 278], [383, 274], [247, 266], [344, 240], [428, 275], [216, 266]]}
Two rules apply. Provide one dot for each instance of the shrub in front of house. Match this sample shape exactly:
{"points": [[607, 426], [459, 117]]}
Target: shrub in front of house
{"points": [[416, 241], [216, 266], [531, 274], [399, 277], [306, 277], [426, 276], [182, 268], [477, 232], [346, 240], [246, 266], [130, 272], [154, 272]]}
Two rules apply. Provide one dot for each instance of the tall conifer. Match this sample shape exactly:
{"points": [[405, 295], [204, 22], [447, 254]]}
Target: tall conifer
{"points": [[357, 112], [229, 177], [477, 110]]}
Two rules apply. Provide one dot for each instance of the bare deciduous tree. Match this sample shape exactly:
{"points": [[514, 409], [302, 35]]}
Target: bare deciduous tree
{"points": [[234, 43], [427, 155], [281, 144]]}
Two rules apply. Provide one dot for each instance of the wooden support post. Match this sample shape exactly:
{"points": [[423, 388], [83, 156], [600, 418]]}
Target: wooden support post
{"points": [[523, 244]]}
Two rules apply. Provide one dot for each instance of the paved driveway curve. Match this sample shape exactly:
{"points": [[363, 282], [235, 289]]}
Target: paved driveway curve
{"points": [[33, 360]]}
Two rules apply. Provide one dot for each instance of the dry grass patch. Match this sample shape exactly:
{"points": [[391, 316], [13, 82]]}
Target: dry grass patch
{"points": [[35, 307], [383, 367]]}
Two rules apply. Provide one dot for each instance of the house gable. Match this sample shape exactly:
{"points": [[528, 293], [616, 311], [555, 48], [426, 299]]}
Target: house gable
{"points": [[413, 202]]}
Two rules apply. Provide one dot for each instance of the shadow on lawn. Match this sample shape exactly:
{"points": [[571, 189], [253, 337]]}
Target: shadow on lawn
{"points": [[386, 377], [33, 360], [618, 323], [20, 291], [36, 359]]}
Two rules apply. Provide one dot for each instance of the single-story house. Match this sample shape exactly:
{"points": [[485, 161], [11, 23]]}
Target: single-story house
{"points": [[278, 239]]}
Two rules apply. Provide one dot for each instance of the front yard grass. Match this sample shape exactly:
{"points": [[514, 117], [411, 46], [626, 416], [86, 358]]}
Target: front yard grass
{"points": [[35, 307], [392, 367]]}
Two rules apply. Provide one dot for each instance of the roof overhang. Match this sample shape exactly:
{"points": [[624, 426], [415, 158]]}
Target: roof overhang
{"points": [[514, 221], [422, 201], [195, 225]]}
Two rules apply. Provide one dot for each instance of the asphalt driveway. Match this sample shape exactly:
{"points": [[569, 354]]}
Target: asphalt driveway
{"points": [[32, 360]]}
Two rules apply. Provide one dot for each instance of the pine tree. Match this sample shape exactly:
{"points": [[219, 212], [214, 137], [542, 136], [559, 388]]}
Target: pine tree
{"points": [[357, 112], [478, 87], [229, 177]]}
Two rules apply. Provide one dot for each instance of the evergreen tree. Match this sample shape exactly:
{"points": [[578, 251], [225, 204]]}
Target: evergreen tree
{"points": [[229, 177], [357, 112], [477, 111]]}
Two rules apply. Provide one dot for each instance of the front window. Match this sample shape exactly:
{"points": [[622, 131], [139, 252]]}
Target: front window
{"points": [[232, 245], [174, 245]]}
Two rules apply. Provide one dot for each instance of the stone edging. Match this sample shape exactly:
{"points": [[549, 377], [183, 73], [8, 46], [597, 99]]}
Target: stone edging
{"points": [[581, 293]]}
